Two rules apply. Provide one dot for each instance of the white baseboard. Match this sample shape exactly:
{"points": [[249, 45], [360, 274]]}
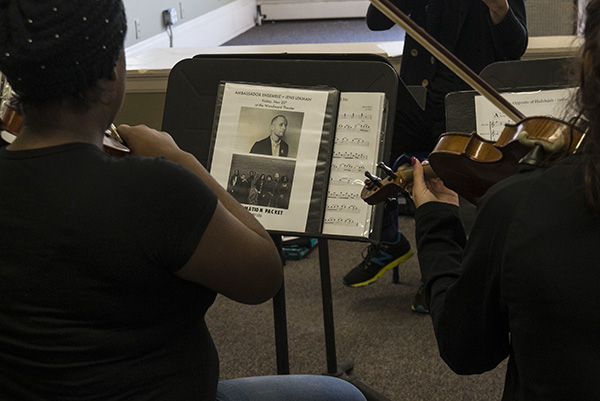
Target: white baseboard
{"points": [[314, 10], [211, 29]]}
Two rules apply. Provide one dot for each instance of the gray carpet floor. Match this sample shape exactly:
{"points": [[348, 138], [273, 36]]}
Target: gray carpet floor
{"points": [[314, 31], [392, 348]]}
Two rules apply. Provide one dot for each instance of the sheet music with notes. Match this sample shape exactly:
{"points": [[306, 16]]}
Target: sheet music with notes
{"points": [[491, 121], [358, 137]]}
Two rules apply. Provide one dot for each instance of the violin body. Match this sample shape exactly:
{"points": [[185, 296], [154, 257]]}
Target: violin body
{"points": [[469, 164], [10, 120], [112, 143]]}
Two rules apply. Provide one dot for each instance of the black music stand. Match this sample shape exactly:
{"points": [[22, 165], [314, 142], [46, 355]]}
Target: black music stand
{"points": [[508, 76], [188, 116]]}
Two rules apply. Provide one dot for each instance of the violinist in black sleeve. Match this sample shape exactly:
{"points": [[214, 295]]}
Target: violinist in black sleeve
{"points": [[477, 32], [524, 285]]}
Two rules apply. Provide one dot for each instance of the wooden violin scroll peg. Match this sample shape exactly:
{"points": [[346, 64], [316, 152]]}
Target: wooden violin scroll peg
{"points": [[372, 180], [390, 173], [377, 190], [396, 182]]}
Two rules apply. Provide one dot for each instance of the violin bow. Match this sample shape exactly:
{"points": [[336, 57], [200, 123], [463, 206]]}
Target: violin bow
{"points": [[447, 58]]}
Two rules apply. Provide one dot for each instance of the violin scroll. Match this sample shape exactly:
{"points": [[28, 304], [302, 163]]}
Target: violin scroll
{"points": [[377, 190]]}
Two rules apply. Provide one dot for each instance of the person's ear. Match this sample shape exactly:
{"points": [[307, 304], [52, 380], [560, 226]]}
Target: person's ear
{"points": [[106, 89], [110, 86], [113, 85]]}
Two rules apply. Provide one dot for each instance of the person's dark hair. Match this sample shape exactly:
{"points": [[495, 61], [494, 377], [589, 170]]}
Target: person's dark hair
{"points": [[278, 116], [59, 48], [588, 99]]}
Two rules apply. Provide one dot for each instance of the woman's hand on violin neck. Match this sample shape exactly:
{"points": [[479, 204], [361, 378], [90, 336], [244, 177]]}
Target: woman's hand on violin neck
{"points": [[146, 141], [431, 190], [498, 9]]}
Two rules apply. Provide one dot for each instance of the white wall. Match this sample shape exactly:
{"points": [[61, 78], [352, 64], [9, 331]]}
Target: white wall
{"points": [[311, 9], [212, 28], [148, 15]]}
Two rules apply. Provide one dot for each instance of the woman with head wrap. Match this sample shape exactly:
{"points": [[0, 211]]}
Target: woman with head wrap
{"points": [[108, 265]]}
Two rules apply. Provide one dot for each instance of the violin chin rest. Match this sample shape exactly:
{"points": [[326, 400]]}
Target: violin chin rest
{"points": [[549, 146]]}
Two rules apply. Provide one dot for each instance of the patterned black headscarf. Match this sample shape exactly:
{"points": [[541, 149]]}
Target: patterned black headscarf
{"points": [[50, 48]]}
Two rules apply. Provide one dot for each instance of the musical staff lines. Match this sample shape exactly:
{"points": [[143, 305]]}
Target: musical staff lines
{"points": [[496, 127], [362, 127], [343, 195], [348, 167], [355, 151], [345, 181], [351, 115], [350, 155], [343, 208], [341, 222], [351, 141]]}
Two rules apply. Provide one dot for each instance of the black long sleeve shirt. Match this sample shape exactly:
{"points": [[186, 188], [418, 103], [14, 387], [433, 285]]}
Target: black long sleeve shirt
{"points": [[525, 285]]}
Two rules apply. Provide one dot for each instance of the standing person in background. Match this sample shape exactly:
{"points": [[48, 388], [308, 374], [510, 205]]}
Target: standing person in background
{"points": [[108, 265], [282, 193], [478, 32], [233, 182], [515, 288]]}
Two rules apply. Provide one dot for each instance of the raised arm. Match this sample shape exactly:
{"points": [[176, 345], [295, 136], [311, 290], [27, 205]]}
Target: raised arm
{"points": [[509, 27], [498, 9]]}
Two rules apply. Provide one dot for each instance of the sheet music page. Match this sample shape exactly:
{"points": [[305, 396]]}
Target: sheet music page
{"points": [[356, 149], [490, 120]]}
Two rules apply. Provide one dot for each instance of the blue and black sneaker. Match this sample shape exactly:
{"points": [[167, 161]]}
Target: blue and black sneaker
{"points": [[379, 258]]}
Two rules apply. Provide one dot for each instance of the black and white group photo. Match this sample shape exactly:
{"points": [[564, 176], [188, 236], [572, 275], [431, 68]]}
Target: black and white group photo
{"points": [[261, 181]]}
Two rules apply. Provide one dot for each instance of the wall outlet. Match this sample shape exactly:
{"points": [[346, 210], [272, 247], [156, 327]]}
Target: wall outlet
{"points": [[170, 17]]}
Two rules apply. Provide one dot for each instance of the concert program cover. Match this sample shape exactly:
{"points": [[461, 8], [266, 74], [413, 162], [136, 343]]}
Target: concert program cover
{"points": [[272, 151]]}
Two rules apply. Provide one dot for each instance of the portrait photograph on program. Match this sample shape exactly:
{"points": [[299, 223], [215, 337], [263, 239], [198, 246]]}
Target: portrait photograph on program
{"points": [[271, 132]]}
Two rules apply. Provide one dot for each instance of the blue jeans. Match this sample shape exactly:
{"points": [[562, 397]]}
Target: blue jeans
{"points": [[288, 388]]}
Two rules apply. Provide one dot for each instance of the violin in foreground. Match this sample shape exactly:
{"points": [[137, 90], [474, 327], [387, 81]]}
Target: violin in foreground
{"points": [[114, 144], [11, 121], [469, 164]]}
